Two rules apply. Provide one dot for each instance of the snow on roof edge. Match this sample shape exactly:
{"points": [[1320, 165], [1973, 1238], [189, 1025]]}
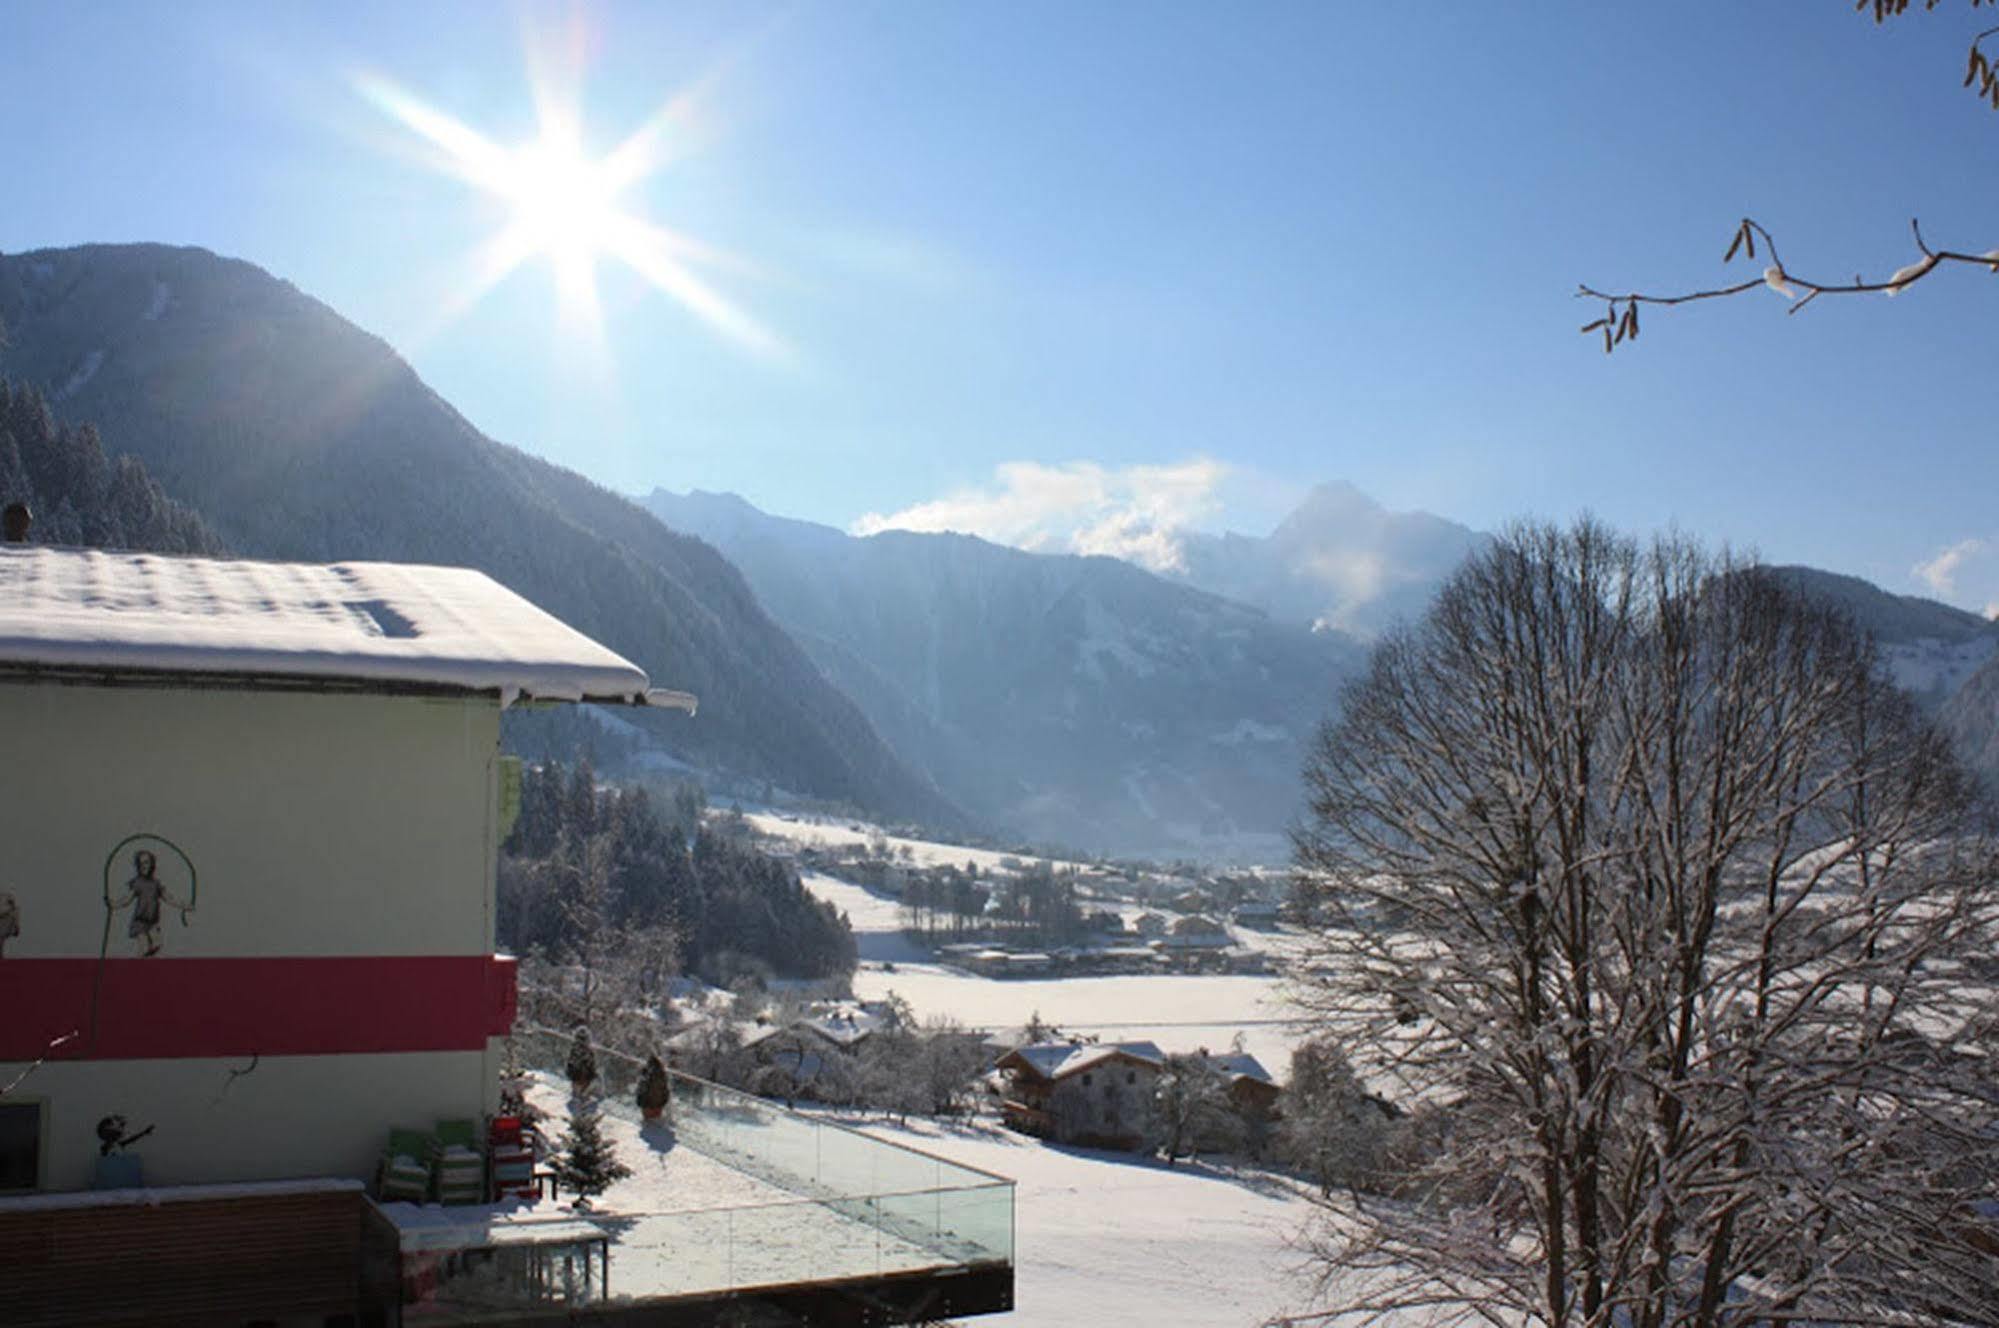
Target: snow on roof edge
{"points": [[371, 624]]}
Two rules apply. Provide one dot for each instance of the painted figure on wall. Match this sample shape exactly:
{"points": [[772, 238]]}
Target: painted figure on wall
{"points": [[145, 894], [10, 921]]}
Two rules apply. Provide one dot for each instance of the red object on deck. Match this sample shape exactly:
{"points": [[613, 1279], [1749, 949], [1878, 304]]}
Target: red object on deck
{"points": [[136, 1009]]}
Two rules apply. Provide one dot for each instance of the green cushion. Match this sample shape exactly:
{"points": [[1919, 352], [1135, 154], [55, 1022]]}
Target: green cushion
{"points": [[409, 1143], [461, 1132]]}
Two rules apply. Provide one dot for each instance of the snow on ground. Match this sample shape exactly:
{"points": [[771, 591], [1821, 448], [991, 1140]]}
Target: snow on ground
{"points": [[1113, 1240], [92, 362], [876, 920], [1180, 1012], [685, 1222], [924, 853]]}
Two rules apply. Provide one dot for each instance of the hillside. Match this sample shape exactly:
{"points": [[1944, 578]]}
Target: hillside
{"points": [[297, 435], [78, 494], [1947, 658], [1077, 701]]}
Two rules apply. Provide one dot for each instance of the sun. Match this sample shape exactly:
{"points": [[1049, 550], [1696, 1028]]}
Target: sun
{"points": [[564, 205], [572, 208]]}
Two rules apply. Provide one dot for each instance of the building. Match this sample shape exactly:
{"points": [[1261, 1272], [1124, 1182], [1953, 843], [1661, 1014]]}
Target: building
{"points": [[1252, 1090], [1262, 914], [250, 828], [1083, 1092], [1197, 932]]}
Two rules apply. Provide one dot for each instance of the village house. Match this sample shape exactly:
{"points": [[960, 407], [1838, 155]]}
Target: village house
{"points": [[1099, 1094], [1196, 932], [1252, 1090], [1261, 914]]}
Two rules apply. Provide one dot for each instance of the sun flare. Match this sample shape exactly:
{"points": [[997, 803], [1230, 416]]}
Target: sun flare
{"points": [[572, 209], [564, 204]]}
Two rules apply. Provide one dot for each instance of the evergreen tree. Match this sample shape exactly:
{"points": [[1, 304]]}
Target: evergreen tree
{"points": [[717, 896], [81, 496], [588, 1163], [655, 1090], [582, 1065]]}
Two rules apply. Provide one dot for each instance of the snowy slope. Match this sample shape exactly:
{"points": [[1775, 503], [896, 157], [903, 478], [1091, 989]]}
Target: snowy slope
{"points": [[1111, 1240]]}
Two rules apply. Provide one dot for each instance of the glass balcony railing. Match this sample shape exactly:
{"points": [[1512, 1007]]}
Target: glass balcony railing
{"points": [[858, 1208], [477, 1267]]}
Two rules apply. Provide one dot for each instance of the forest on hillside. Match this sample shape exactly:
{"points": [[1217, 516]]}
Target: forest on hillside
{"points": [[592, 875], [80, 495]]}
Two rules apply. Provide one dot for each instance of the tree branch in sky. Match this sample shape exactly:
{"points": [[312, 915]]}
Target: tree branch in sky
{"points": [[1620, 316]]}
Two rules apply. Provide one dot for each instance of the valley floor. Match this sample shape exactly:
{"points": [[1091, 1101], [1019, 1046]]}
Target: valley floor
{"points": [[1180, 1012]]}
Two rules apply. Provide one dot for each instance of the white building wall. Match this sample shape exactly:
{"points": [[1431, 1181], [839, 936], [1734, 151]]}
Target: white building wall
{"points": [[291, 1116], [320, 825]]}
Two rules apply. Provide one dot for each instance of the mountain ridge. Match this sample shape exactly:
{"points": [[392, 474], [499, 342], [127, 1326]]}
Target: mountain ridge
{"points": [[298, 435], [1074, 699]]}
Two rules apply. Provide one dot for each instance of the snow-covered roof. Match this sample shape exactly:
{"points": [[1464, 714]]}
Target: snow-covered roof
{"points": [[1242, 1065], [843, 1026], [1059, 1060], [383, 625]]}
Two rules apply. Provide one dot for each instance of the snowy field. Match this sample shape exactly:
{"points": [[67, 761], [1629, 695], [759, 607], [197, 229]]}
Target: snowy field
{"points": [[684, 1222], [922, 852], [1111, 1240], [1180, 1011], [1102, 1239]]}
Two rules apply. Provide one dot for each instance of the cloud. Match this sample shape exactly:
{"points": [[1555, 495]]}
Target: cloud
{"points": [[1941, 572], [1132, 512]]}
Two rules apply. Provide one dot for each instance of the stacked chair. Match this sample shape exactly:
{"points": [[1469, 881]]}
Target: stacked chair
{"points": [[458, 1167], [446, 1166], [510, 1159], [404, 1174]]}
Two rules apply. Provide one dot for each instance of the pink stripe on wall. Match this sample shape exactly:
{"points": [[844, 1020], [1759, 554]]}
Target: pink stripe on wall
{"points": [[161, 1007]]}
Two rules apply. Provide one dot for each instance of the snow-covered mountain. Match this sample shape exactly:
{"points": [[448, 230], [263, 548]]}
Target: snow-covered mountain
{"points": [[1931, 649], [1945, 657], [1340, 560], [1073, 700]]}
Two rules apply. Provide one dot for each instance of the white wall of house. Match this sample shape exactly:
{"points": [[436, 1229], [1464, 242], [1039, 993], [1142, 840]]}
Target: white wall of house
{"points": [[321, 825], [292, 1116], [1110, 1099]]}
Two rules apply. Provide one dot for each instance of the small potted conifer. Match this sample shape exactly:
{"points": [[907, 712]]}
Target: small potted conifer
{"points": [[655, 1092], [582, 1064]]}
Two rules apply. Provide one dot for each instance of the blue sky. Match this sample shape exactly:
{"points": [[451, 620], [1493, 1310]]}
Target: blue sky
{"points": [[1260, 246]]}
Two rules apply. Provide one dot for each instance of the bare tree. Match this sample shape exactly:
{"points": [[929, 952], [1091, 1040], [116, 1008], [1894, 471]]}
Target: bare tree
{"points": [[1192, 1108], [1631, 871]]}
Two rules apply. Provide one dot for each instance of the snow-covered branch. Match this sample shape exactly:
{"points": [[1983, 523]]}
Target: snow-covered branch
{"points": [[1619, 322]]}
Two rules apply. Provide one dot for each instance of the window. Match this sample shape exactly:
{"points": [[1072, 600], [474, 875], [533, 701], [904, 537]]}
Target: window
{"points": [[1086, 1081], [22, 1125], [1131, 1076]]}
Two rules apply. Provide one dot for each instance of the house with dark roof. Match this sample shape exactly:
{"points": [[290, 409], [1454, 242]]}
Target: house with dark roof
{"points": [[1096, 1093]]}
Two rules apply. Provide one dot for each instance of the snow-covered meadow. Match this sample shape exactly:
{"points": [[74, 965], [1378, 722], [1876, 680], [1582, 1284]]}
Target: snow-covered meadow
{"points": [[1114, 1240], [1181, 1012]]}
